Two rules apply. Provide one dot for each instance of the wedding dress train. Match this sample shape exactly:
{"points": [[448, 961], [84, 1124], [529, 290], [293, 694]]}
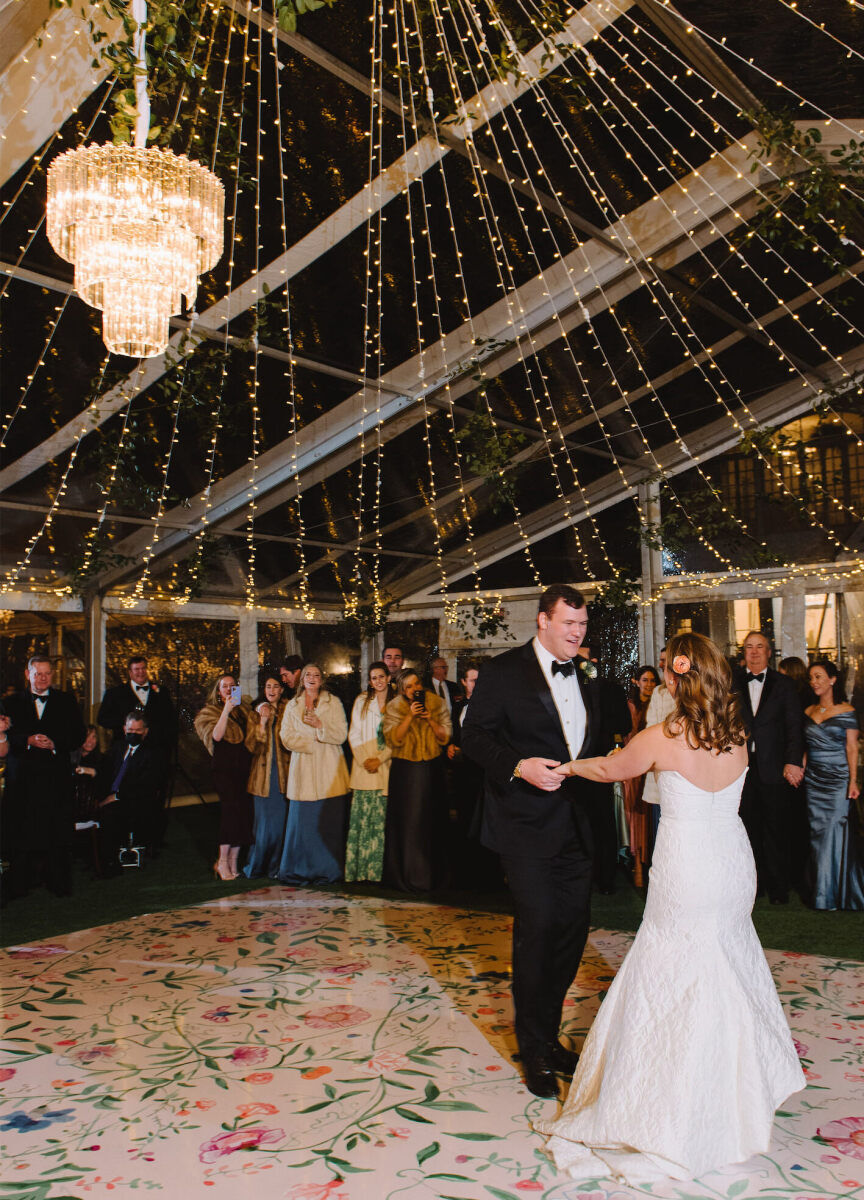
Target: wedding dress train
{"points": [[690, 1053]]}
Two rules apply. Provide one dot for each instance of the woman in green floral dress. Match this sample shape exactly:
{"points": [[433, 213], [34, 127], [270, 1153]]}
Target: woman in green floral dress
{"points": [[364, 856]]}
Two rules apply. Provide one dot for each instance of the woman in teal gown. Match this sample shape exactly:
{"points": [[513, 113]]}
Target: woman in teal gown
{"points": [[830, 778]]}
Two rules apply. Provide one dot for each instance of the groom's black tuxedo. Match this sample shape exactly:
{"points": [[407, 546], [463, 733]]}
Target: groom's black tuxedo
{"points": [[543, 838]]}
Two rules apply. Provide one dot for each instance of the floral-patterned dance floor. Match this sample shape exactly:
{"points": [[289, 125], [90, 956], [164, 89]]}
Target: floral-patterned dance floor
{"points": [[293, 1045]]}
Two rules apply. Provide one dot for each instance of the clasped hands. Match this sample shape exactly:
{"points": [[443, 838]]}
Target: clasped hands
{"points": [[547, 774], [793, 774]]}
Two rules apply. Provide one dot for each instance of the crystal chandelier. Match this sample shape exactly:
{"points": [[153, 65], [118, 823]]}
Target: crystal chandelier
{"points": [[139, 224]]}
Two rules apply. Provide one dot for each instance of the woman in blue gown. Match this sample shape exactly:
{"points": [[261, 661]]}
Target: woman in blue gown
{"points": [[268, 779], [830, 778]]}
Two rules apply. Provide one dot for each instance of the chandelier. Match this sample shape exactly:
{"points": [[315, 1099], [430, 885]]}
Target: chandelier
{"points": [[139, 224]]}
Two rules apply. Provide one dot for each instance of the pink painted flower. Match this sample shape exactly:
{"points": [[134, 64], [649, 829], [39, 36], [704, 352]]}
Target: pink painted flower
{"points": [[399, 1132], [36, 951], [387, 1060], [243, 1139], [203, 1105], [220, 1015], [350, 968], [800, 1048], [335, 1016], [256, 1109], [845, 1135], [259, 1077], [6, 1073], [250, 1054], [529, 1185], [86, 1056], [317, 1191]]}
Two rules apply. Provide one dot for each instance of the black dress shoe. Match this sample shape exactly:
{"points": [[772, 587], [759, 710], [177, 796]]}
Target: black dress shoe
{"points": [[561, 1059], [540, 1078]]}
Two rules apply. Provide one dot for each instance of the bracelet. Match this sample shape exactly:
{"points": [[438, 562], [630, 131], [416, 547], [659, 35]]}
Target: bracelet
{"points": [[517, 770]]}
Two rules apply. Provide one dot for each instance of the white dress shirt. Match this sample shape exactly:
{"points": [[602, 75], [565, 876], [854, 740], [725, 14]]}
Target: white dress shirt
{"points": [[41, 699], [567, 694], [754, 687], [142, 691]]}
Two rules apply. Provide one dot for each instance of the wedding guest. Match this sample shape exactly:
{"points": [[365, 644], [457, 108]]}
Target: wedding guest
{"points": [[474, 866], [4, 732], [86, 761], [416, 726], [127, 786], [393, 659], [268, 779], [831, 780], [796, 669], [140, 691], [661, 704], [289, 673], [442, 687], [44, 727], [370, 773], [799, 823], [639, 814], [772, 713], [314, 728], [222, 725]]}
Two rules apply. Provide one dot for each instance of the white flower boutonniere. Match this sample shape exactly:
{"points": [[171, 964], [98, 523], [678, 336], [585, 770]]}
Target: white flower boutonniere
{"points": [[587, 669]]}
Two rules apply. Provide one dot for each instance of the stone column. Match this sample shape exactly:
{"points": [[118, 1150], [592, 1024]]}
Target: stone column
{"points": [[721, 625], [292, 643], [248, 632], [651, 615], [792, 639], [94, 636]]}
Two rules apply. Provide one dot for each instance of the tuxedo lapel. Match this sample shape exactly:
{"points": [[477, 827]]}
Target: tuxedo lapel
{"points": [[767, 688], [537, 683]]}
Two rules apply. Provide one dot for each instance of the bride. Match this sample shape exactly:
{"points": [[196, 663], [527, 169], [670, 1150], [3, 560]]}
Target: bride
{"points": [[690, 1053]]}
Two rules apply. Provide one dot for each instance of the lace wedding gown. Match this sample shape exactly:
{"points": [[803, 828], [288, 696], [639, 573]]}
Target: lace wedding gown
{"points": [[690, 1053]]}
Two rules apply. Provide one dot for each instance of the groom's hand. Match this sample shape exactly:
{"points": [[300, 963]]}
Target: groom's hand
{"points": [[538, 772]]}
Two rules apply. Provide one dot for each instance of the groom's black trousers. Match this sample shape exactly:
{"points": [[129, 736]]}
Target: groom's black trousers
{"points": [[552, 898]]}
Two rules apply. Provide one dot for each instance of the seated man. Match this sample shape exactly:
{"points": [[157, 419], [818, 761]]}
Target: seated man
{"points": [[128, 785]]}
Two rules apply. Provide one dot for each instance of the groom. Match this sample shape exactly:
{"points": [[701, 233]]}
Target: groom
{"points": [[533, 708]]}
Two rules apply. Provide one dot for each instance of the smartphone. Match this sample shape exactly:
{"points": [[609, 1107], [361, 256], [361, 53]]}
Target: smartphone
{"points": [[236, 694]]}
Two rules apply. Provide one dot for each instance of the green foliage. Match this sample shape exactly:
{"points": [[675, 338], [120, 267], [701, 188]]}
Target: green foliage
{"points": [[820, 198], [488, 451], [483, 619], [89, 559], [367, 609], [287, 11], [613, 625], [698, 513]]}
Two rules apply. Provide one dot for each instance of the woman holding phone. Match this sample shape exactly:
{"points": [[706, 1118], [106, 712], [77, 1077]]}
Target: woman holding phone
{"points": [[416, 725], [222, 725]]}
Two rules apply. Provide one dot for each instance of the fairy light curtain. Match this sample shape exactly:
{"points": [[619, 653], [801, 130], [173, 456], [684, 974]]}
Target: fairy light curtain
{"points": [[489, 274]]}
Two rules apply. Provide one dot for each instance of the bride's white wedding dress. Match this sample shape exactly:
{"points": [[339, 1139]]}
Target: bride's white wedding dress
{"points": [[690, 1053]]}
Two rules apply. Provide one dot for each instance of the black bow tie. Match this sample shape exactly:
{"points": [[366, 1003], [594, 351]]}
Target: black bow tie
{"points": [[40, 695], [141, 687], [566, 669], [758, 678]]}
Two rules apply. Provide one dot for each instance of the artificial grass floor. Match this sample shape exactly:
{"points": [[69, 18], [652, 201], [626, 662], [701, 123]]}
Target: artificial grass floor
{"points": [[182, 876]]}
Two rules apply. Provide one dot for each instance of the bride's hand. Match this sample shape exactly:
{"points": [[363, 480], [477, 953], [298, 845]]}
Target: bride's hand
{"points": [[563, 770]]}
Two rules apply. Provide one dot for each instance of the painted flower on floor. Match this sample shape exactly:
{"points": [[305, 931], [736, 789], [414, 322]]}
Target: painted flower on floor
{"points": [[388, 1060], [86, 1056], [335, 1016], [6, 1073], [36, 951], [317, 1191], [350, 968], [243, 1139], [256, 1109], [845, 1135], [39, 1118], [250, 1054], [220, 1015]]}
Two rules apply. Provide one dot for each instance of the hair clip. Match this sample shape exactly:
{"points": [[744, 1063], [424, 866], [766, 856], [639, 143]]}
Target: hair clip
{"points": [[681, 664]]}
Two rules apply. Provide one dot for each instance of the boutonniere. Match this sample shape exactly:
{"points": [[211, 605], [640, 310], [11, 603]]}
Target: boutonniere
{"points": [[154, 687], [587, 669]]}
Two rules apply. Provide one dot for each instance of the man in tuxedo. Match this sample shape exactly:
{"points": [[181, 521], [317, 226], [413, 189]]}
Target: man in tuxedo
{"points": [[772, 711], [45, 726], [140, 691], [533, 708], [128, 785]]}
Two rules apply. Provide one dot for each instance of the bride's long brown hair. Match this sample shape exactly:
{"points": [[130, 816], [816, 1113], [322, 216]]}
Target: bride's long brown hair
{"points": [[706, 709]]}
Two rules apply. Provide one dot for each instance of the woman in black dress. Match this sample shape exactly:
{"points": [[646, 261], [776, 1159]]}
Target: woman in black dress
{"points": [[221, 725]]}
